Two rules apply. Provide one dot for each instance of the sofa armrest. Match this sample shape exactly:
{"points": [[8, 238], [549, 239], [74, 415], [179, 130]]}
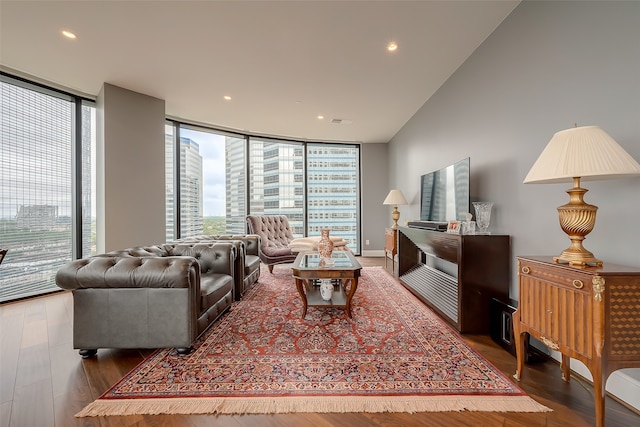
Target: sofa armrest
{"points": [[129, 272]]}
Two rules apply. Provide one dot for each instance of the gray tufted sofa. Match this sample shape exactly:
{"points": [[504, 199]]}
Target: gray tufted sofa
{"points": [[247, 265], [275, 235], [149, 297]]}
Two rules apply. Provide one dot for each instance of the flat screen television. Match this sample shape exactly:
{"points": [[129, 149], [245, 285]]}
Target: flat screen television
{"points": [[445, 193]]}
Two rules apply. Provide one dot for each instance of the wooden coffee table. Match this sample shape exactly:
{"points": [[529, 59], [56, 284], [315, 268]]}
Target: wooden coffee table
{"points": [[308, 267]]}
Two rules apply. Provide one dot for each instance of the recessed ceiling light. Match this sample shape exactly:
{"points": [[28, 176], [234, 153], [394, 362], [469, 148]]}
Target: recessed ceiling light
{"points": [[68, 34], [320, 117], [227, 97], [392, 47]]}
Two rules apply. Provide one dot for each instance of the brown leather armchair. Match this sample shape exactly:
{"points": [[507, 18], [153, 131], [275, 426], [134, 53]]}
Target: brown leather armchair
{"points": [[275, 236]]}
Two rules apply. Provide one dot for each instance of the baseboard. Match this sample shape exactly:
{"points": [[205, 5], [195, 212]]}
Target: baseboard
{"points": [[623, 387], [374, 253], [627, 388]]}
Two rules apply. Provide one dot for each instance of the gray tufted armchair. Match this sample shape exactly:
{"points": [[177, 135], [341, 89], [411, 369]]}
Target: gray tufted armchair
{"points": [[275, 235], [247, 266], [148, 297]]}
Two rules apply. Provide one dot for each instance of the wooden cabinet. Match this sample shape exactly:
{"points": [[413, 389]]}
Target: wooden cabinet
{"points": [[455, 275], [591, 314], [390, 246]]}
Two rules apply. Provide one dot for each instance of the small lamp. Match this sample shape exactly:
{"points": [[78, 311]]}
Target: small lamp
{"points": [[586, 153], [395, 198]]}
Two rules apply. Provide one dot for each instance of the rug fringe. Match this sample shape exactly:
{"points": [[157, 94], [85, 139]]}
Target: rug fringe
{"points": [[318, 404]]}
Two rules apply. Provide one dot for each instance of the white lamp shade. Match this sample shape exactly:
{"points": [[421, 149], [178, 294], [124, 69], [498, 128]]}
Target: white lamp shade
{"points": [[395, 197], [585, 152]]}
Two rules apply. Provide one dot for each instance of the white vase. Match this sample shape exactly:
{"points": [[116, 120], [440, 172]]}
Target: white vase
{"points": [[326, 290]]}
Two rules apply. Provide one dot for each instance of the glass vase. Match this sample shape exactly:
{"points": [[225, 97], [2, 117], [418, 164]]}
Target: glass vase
{"points": [[483, 216]]}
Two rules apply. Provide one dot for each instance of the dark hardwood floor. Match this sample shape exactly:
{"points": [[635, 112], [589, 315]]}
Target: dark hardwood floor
{"points": [[43, 382]]}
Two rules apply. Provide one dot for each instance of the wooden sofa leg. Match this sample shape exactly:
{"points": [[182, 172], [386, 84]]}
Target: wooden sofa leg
{"points": [[270, 268]]}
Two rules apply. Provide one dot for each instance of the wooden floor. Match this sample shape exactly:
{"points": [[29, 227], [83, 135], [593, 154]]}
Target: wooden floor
{"points": [[43, 382]]}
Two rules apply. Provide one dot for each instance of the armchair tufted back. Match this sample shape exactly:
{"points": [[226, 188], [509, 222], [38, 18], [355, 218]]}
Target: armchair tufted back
{"points": [[273, 230], [212, 257], [140, 251]]}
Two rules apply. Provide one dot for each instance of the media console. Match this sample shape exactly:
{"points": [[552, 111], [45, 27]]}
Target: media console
{"points": [[455, 275], [429, 225]]}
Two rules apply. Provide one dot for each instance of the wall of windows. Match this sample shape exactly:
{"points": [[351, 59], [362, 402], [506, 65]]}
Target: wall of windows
{"points": [[316, 185], [47, 203], [213, 180]]}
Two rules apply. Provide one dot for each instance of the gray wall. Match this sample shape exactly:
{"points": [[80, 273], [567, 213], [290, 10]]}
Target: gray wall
{"points": [[375, 187], [547, 66], [130, 169]]}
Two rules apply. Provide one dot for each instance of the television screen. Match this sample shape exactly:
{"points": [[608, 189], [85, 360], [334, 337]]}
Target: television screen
{"points": [[445, 193]]}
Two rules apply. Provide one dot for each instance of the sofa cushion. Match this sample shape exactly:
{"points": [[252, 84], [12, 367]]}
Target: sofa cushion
{"points": [[273, 251], [213, 287], [251, 264]]}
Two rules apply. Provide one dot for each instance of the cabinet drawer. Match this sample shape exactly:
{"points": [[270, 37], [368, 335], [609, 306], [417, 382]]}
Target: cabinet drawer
{"points": [[570, 278], [557, 306]]}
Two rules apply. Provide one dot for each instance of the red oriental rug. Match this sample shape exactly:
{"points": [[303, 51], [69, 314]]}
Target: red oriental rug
{"points": [[394, 355]]}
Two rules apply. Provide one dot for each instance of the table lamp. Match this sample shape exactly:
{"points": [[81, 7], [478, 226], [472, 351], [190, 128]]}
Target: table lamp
{"points": [[586, 153], [395, 198]]}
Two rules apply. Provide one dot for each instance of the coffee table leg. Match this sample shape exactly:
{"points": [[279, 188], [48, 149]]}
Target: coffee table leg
{"points": [[303, 296], [352, 290]]}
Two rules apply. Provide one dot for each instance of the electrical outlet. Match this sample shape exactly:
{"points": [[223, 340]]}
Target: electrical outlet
{"points": [[366, 242]]}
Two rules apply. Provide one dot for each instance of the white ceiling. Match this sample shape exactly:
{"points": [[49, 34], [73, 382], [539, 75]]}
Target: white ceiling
{"points": [[283, 63]]}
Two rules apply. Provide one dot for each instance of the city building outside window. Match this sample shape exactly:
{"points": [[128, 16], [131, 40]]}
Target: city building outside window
{"points": [[38, 200]]}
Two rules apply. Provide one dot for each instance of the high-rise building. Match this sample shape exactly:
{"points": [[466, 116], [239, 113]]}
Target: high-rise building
{"points": [[191, 188], [276, 185], [236, 184], [277, 181], [332, 186]]}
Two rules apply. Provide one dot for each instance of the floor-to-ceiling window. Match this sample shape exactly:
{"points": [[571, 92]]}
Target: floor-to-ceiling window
{"points": [[333, 187], [47, 141], [277, 181], [223, 176], [212, 195]]}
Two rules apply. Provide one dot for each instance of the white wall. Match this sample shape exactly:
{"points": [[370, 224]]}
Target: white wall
{"points": [[547, 66], [130, 169]]}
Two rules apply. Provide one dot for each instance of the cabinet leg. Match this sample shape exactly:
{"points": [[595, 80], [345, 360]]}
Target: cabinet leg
{"points": [[599, 383], [519, 336]]}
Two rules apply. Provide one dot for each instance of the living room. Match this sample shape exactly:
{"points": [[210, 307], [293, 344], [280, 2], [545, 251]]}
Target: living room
{"points": [[547, 66]]}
